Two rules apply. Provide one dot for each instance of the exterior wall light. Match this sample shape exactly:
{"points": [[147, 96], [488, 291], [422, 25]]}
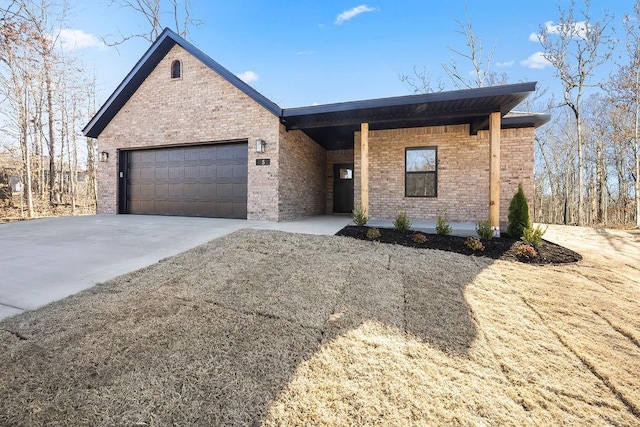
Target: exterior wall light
{"points": [[103, 156], [260, 145]]}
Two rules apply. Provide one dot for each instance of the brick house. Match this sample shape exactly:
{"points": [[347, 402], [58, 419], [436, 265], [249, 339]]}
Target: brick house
{"points": [[181, 135]]}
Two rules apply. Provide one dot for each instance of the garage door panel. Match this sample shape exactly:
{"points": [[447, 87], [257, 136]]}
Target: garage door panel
{"points": [[146, 173], [189, 210], [190, 190], [176, 191], [191, 172], [206, 192], [192, 156], [224, 172], [224, 191], [147, 157], [176, 156], [174, 207], [239, 172], [206, 209], [160, 191], [135, 190], [162, 156], [176, 173], [239, 210], [239, 191], [226, 153], [145, 206], [207, 172], [146, 191], [224, 209], [161, 173], [134, 206], [205, 180], [160, 206]]}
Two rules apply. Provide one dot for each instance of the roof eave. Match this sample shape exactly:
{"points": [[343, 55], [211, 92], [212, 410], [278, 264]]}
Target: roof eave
{"points": [[526, 120], [90, 129], [165, 41], [524, 88]]}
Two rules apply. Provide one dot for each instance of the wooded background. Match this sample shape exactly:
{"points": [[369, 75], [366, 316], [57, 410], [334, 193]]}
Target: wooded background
{"points": [[587, 158]]}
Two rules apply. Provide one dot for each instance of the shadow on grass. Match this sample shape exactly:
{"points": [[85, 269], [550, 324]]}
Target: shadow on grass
{"points": [[212, 336], [617, 241]]}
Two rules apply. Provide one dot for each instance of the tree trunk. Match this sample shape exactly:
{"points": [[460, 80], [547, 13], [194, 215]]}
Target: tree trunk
{"points": [[26, 157], [52, 145], [580, 171], [637, 146], [600, 183]]}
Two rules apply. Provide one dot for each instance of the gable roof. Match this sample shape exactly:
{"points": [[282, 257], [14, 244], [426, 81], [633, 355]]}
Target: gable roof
{"points": [[152, 57], [332, 125]]}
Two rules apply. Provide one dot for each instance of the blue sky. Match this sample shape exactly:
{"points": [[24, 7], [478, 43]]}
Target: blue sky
{"points": [[307, 52]]}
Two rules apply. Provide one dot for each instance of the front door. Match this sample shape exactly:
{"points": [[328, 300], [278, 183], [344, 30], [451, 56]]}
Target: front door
{"points": [[343, 188]]}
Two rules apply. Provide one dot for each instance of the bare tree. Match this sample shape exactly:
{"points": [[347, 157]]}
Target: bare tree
{"points": [[15, 57], [157, 14], [422, 81], [632, 71], [576, 48], [44, 96], [473, 54], [45, 17]]}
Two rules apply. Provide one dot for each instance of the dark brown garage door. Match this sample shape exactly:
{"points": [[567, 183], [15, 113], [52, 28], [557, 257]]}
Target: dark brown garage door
{"points": [[201, 180]]}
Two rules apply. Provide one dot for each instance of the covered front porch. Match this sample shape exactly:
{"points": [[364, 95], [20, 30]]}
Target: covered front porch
{"points": [[476, 151]]}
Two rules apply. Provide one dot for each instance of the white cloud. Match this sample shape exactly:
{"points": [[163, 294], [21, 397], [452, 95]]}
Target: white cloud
{"points": [[248, 76], [578, 29], [505, 64], [71, 39], [305, 53], [536, 61], [352, 13]]}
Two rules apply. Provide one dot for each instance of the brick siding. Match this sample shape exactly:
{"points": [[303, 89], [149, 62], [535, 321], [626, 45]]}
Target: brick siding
{"points": [[197, 108], [302, 176], [202, 107], [462, 173]]}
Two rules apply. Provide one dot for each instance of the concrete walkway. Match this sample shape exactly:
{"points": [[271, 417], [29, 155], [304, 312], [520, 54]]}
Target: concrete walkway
{"points": [[47, 259]]}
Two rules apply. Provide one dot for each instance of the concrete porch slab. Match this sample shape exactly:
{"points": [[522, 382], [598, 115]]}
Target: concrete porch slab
{"points": [[462, 229]]}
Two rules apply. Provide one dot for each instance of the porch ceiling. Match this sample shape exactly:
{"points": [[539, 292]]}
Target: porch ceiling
{"points": [[333, 125]]}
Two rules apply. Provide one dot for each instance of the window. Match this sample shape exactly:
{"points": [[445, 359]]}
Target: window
{"points": [[346, 173], [176, 69], [421, 172]]}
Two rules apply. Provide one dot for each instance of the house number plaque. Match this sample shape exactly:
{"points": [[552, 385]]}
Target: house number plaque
{"points": [[263, 162]]}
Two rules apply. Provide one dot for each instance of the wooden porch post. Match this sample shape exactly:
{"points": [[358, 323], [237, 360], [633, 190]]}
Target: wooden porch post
{"points": [[364, 167], [494, 171]]}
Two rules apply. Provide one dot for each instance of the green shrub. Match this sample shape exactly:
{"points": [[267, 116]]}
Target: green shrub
{"points": [[442, 227], [526, 251], [533, 236], [419, 238], [402, 223], [474, 244], [373, 234], [484, 230], [359, 216], [518, 214]]}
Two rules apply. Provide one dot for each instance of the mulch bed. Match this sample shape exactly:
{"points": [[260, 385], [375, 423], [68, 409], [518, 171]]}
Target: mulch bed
{"points": [[503, 247]]}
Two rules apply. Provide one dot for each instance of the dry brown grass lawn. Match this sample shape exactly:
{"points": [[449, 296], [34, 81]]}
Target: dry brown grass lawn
{"points": [[270, 328]]}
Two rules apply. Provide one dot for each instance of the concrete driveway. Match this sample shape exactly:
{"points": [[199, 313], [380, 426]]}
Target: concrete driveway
{"points": [[48, 259]]}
